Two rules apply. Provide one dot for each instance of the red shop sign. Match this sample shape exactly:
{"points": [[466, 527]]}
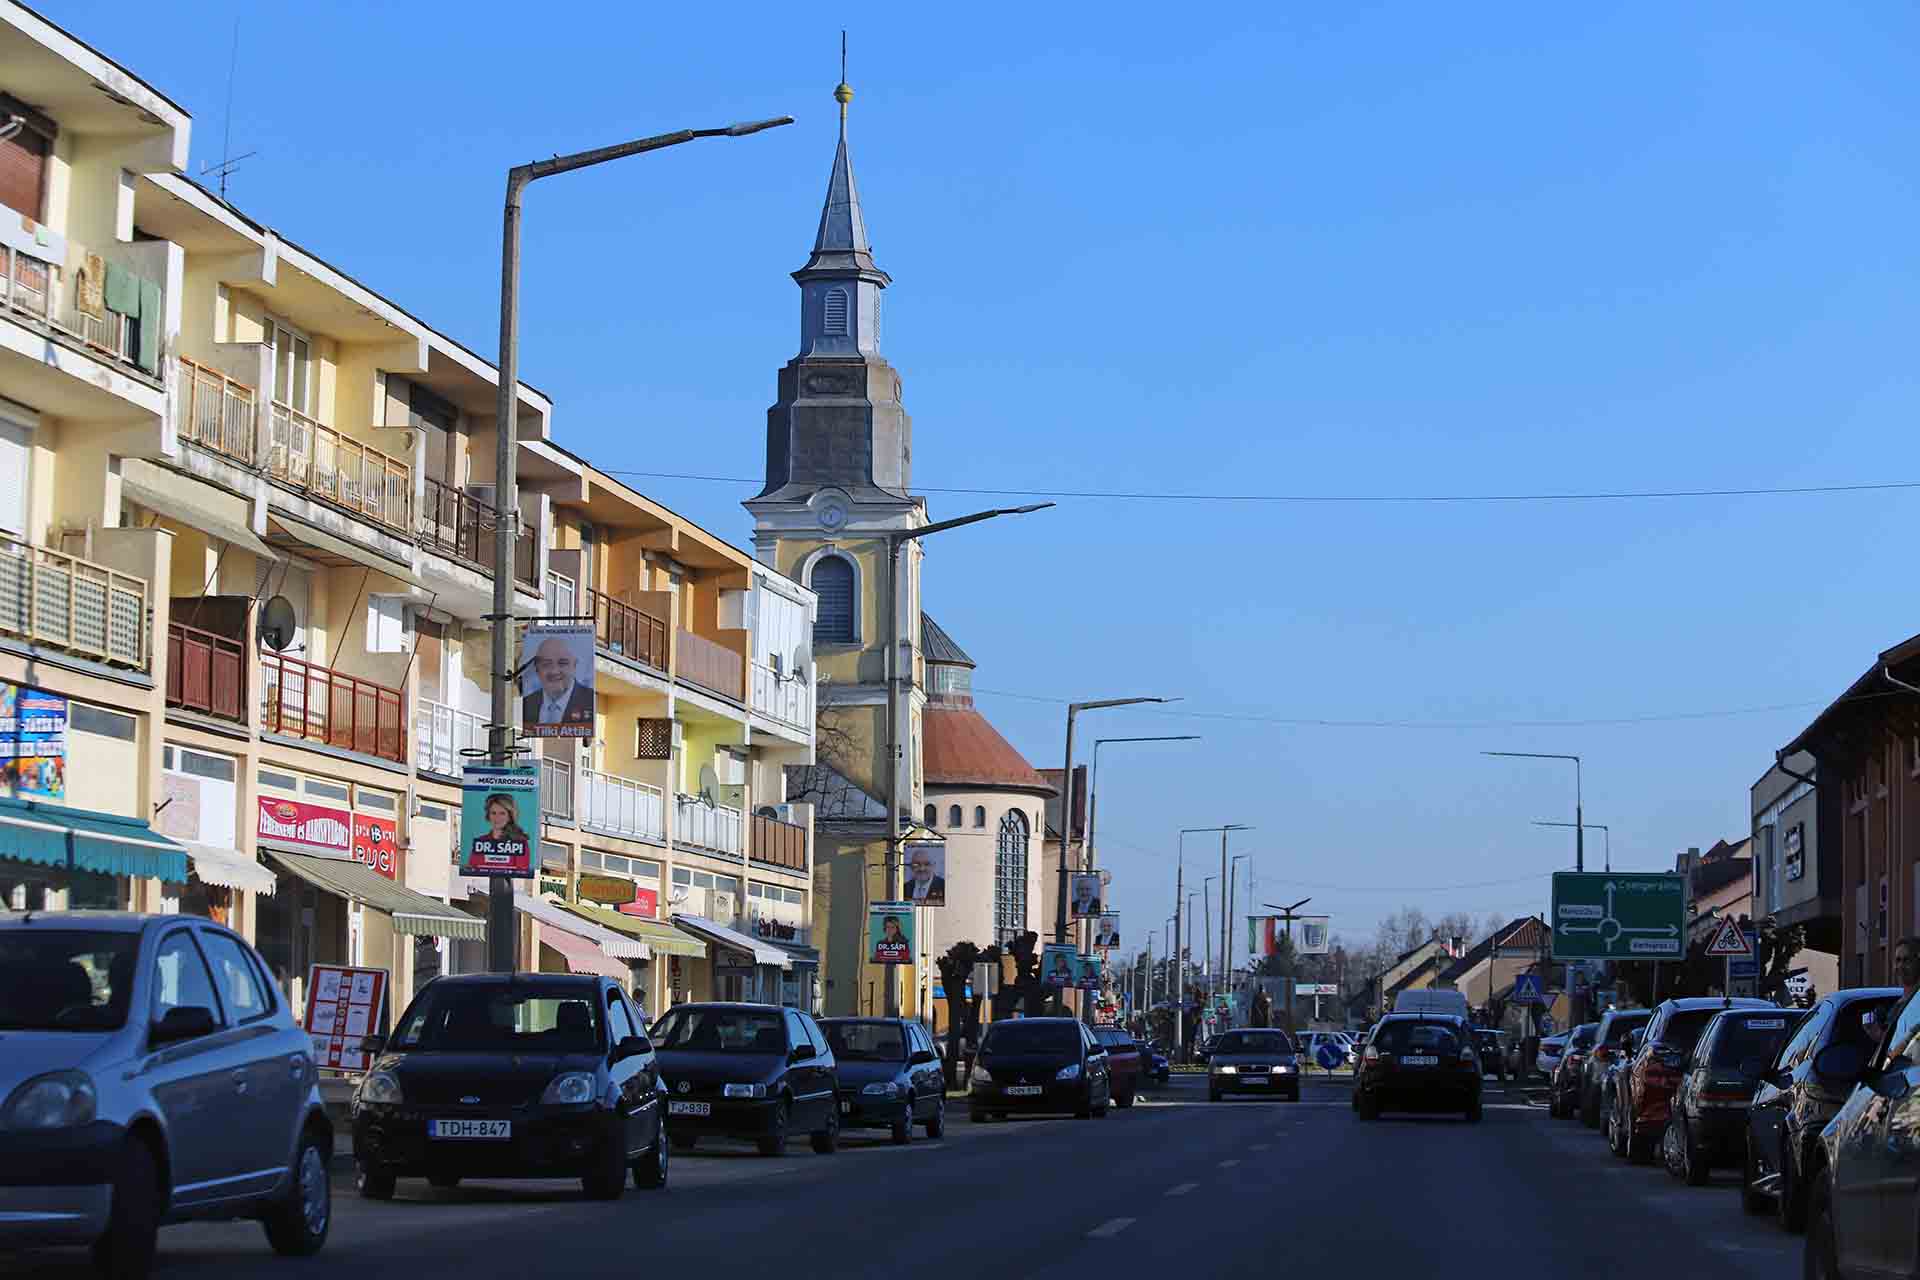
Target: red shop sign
{"points": [[312, 826], [646, 903], [376, 842]]}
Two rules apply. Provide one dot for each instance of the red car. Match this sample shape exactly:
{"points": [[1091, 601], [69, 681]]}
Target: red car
{"points": [[1643, 1097], [1123, 1063]]}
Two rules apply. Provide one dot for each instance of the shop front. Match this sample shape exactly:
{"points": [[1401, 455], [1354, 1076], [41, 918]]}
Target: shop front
{"points": [[739, 967], [776, 915], [663, 940]]}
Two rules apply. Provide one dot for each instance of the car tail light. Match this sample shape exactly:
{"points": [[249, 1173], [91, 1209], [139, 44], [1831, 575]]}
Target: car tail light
{"points": [[1373, 1054], [1602, 1054]]}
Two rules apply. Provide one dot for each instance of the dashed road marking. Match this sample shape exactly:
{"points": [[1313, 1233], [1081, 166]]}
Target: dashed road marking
{"points": [[1228, 1164], [1182, 1189], [1261, 1146], [1111, 1227]]}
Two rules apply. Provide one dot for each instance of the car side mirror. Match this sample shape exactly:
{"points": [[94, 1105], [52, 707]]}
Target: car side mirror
{"points": [[1840, 1063], [801, 1052], [372, 1045], [1891, 1085], [182, 1022], [631, 1047], [921, 1058]]}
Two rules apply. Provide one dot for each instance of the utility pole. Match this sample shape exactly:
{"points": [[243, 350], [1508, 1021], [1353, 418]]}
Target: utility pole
{"points": [[1230, 916], [1288, 915], [1066, 797]]}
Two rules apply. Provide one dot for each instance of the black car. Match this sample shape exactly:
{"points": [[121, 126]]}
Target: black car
{"points": [[889, 1076], [756, 1072], [1487, 1041], [1047, 1065], [1254, 1060], [1563, 1087], [1793, 1103], [1615, 1026], [498, 1076], [1419, 1062], [1708, 1124]]}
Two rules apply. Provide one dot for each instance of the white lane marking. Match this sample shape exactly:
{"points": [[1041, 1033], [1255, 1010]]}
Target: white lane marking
{"points": [[1261, 1146], [1228, 1164], [1111, 1227], [1182, 1189]]}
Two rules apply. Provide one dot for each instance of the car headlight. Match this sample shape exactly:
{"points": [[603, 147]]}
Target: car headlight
{"points": [[57, 1100], [1283, 1068], [1069, 1072], [1227, 1069], [380, 1086], [570, 1088], [744, 1091], [882, 1089]]}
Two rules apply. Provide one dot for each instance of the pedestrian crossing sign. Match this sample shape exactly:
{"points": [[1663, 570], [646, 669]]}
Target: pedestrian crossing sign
{"points": [[1528, 989], [1730, 941]]}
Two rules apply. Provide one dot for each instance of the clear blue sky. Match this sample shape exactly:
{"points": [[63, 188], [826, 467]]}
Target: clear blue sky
{"points": [[1391, 249]]}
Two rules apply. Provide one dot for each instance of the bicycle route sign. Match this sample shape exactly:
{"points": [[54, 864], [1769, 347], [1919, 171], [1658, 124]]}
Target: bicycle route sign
{"points": [[1619, 916]]}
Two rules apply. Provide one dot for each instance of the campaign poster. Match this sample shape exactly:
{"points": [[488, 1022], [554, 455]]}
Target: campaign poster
{"points": [[499, 804], [926, 862], [890, 932], [1312, 935], [33, 742], [556, 681], [1059, 965], [1087, 972], [1106, 931], [1086, 894]]}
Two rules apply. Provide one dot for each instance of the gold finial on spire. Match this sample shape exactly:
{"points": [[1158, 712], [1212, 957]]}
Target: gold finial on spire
{"points": [[843, 92]]}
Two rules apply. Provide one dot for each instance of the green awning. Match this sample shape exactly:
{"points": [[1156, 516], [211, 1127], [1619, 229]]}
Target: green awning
{"points": [[82, 840], [661, 937], [413, 913]]}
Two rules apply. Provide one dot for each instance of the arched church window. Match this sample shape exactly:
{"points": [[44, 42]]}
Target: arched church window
{"points": [[832, 581], [833, 319], [980, 815], [953, 815], [931, 816], [1010, 877]]}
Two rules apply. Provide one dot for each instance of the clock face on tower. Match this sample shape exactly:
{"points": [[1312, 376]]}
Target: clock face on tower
{"points": [[832, 515]]}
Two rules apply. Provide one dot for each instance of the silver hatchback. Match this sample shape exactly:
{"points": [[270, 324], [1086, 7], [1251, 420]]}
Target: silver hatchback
{"points": [[150, 1072]]}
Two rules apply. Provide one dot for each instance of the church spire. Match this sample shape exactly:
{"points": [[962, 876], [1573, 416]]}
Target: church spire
{"points": [[840, 248]]}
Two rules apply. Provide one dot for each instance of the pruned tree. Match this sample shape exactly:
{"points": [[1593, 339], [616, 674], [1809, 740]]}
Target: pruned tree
{"points": [[1778, 945], [963, 1011]]}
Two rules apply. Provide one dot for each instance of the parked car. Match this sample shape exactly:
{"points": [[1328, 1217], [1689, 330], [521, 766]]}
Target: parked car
{"points": [[1793, 1103], [1125, 1066], [887, 1076], [1864, 1195], [1546, 1059], [1203, 1048], [1708, 1126], [1610, 1078], [1615, 1024], [1419, 1062], [151, 1074], [536, 1076], [1045, 1065], [1254, 1060], [1488, 1041], [1432, 1000], [756, 1072], [1161, 1068], [1643, 1092], [1307, 1048], [1563, 1086]]}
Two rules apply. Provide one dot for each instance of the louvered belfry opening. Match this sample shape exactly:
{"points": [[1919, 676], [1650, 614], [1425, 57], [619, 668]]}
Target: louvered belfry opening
{"points": [[832, 581]]}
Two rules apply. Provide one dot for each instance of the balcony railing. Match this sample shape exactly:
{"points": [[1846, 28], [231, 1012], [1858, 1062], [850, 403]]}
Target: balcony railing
{"points": [[216, 412], [706, 826], [463, 526], [443, 735], [30, 284], [556, 789], [206, 672], [320, 461], [788, 700], [711, 666], [780, 843], [622, 806], [305, 700], [61, 601], [33, 285], [626, 630]]}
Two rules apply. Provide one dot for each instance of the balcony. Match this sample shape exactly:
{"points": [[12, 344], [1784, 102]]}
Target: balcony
{"points": [[622, 807], [786, 699], [779, 844], [625, 630], [64, 602], [32, 286], [216, 412], [462, 526], [206, 672], [322, 463], [304, 700], [706, 826], [444, 735], [711, 666], [556, 789]]}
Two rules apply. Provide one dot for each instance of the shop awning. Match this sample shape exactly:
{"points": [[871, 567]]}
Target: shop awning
{"points": [[82, 840], [617, 945], [663, 938], [229, 868], [413, 913], [732, 940], [195, 503], [802, 955], [583, 956]]}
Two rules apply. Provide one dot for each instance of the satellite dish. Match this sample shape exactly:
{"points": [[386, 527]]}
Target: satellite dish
{"points": [[709, 786], [277, 623], [799, 667]]}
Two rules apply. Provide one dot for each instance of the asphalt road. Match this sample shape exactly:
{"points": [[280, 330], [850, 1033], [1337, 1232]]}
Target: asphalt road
{"points": [[1176, 1182]]}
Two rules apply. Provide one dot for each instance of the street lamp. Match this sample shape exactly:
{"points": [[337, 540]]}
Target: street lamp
{"points": [[894, 538], [1066, 799], [1579, 825], [1238, 858], [1605, 834], [501, 931], [1292, 979], [1206, 927], [1179, 886]]}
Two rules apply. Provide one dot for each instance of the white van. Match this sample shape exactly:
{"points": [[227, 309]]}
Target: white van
{"points": [[1431, 1001]]}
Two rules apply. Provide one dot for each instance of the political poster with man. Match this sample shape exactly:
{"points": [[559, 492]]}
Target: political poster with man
{"points": [[1106, 933], [556, 682], [1059, 965], [1086, 894], [926, 873], [890, 932]]}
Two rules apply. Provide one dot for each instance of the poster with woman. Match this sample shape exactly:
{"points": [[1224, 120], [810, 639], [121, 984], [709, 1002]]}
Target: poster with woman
{"points": [[1059, 965], [1087, 972], [499, 806], [890, 932]]}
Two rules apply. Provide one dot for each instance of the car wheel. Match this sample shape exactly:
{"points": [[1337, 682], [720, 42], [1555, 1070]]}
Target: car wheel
{"points": [[1821, 1260], [684, 1141], [444, 1181], [1792, 1204], [1752, 1201], [297, 1226], [1369, 1107], [1616, 1134], [609, 1181], [372, 1185], [937, 1126], [977, 1116], [125, 1251], [1474, 1111], [775, 1141], [903, 1127], [1694, 1169], [1671, 1158], [651, 1173], [827, 1141], [1124, 1100]]}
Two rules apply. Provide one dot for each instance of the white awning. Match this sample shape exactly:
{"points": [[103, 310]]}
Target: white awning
{"points": [[229, 868], [732, 940], [197, 503]]}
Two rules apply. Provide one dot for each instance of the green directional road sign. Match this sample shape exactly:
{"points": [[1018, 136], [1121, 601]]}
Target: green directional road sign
{"points": [[1619, 916]]}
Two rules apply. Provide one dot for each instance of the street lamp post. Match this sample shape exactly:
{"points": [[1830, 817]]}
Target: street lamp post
{"points": [[1292, 979], [1206, 930], [501, 929], [894, 539], [1066, 799], [1238, 858], [1178, 887], [1089, 856], [1601, 827], [1579, 823]]}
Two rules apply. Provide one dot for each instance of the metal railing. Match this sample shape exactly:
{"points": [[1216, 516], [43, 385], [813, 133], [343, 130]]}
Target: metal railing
{"points": [[622, 806], [206, 672], [626, 630], [442, 736], [706, 826], [305, 700], [62, 601], [556, 789], [216, 412], [33, 285], [781, 844], [29, 284], [320, 461], [788, 699], [463, 526], [711, 666]]}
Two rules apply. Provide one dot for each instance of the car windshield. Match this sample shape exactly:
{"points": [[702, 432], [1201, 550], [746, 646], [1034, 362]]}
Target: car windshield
{"points": [[1417, 1037], [1051, 1038], [1755, 1037], [1113, 1036], [1583, 1037], [1849, 1026], [1684, 1027], [468, 1017], [66, 980], [866, 1041], [1617, 1029], [718, 1030], [1254, 1042]]}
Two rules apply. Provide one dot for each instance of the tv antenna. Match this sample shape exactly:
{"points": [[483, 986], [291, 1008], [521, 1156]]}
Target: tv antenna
{"points": [[228, 161]]}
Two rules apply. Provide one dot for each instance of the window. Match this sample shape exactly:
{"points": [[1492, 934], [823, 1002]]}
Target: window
{"points": [[239, 986], [386, 624], [619, 1025], [278, 781], [180, 979], [384, 801], [14, 440], [1906, 1032], [219, 768], [953, 815], [833, 317], [796, 1031], [107, 724], [832, 579], [23, 165], [326, 790], [980, 815], [290, 360], [930, 816], [1010, 876], [560, 596], [1798, 1048]]}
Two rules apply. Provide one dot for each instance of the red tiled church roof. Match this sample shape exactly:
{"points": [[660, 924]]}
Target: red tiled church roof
{"points": [[959, 748]]}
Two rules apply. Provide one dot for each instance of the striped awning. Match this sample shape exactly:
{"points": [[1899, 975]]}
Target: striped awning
{"points": [[413, 913], [229, 868], [82, 840], [661, 937]]}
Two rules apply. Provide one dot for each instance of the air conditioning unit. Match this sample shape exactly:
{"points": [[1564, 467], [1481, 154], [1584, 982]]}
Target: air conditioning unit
{"points": [[785, 813]]}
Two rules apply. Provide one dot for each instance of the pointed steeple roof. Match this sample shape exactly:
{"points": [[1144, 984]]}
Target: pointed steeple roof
{"points": [[841, 248]]}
